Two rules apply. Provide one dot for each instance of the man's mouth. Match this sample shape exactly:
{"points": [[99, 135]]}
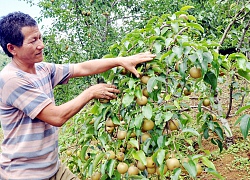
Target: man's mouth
{"points": [[39, 53]]}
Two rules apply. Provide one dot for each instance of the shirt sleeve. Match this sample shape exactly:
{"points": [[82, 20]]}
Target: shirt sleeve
{"points": [[60, 73], [23, 95]]}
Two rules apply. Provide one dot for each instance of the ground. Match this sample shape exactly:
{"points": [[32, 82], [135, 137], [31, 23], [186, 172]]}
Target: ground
{"points": [[232, 163]]}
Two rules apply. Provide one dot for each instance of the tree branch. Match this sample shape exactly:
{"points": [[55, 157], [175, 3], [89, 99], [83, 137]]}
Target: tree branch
{"points": [[192, 107], [243, 34], [229, 27], [106, 29], [230, 98], [114, 3]]}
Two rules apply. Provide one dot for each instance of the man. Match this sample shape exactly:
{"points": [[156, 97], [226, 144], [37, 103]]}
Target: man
{"points": [[29, 116]]}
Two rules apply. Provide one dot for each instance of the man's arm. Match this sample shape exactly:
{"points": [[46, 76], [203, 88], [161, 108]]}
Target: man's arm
{"points": [[58, 115], [101, 65]]}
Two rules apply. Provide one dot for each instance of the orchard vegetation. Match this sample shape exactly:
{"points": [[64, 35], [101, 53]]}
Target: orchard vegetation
{"points": [[156, 126]]}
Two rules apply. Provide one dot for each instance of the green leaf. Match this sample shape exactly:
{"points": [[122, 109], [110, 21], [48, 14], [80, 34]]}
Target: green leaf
{"points": [[102, 139], [140, 156], [167, 97], [219, 132], [200, 55], [208, 163], [160, 156], [157, 46], [242, 63], [104, 177], [178, 51], [197, 157], [244, 124], [185, 8], [218, 143], [234, 56], [116, 176], [191, 130], [86, 165], [126, 44], [244, 74], [211, 79], [108, 56], [151, 84], [193, 57], [111, 167], [205, 133], [242, 109], [215, 173], [176, 174], [175, 26], [161, 79], [83, 152], [134, 142], [138, 92], [138, 120], [196, 26], [190, 167], [161, 141], [168, 42], [146, 146], [115, 120], [157, 31], [97, 159], [168, 115], [134, 177], [207, 58], [131, 83], [248, 6], [95, 109], [127, 99], [191, 17], [147, 111], [177, 105], [97, 122]]}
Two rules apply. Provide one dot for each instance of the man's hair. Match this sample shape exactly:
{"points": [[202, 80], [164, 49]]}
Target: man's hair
{"points": [[10, 29]]}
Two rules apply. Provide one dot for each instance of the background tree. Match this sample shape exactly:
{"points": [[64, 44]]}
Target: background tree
{"points": [[84, 30]]}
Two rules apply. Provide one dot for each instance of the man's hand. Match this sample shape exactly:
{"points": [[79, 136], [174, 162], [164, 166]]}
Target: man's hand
{"points": [[104, 91], [101, 65], [130, 62]]}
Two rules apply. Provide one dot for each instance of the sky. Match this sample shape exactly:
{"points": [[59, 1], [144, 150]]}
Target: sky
{"points": [[8, 6]]}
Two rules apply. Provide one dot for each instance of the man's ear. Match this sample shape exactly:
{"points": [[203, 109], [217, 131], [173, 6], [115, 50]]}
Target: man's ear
{"points": [[11, 48]]}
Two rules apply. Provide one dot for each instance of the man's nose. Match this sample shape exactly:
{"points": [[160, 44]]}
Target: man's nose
{"points": [[40, 45]]}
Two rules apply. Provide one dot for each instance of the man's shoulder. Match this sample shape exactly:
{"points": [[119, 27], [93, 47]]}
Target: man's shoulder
{"points": [[8, 72]]}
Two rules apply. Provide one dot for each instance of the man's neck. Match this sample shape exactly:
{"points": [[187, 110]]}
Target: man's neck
{"points": [[26, 68]]}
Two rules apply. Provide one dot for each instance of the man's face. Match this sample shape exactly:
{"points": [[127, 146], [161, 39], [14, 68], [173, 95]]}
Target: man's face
{"points": [[32, 49]]}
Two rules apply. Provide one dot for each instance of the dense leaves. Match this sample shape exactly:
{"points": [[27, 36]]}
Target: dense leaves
{"points": [[209, 35]]}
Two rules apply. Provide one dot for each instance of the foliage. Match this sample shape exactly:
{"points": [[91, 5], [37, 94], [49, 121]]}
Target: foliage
{"points": [[175, 40], [183, 37], [84, 30], [3, 60]]}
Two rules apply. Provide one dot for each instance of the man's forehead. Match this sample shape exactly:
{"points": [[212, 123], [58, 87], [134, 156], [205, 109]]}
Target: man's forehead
{"points": [[30, 31]]}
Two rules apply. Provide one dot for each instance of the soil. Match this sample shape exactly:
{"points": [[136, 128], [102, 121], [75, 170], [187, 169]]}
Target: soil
{"points": [[233, 163]]}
